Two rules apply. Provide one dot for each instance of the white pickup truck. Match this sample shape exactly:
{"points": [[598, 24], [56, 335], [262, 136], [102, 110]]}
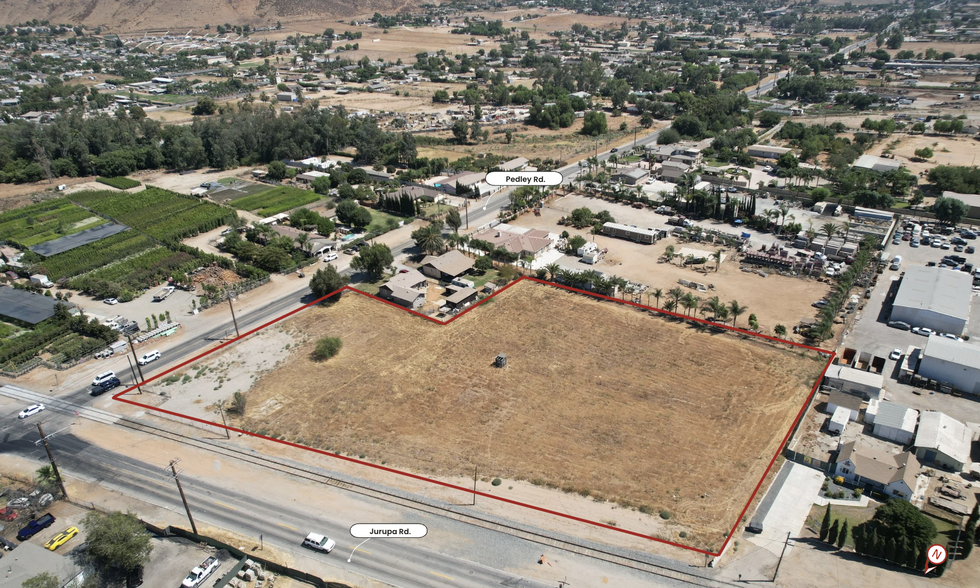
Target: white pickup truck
{"points": [[201, 573]]}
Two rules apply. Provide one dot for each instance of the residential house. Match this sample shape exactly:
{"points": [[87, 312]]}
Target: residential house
{"points": [[891, 474], [943, 441], [447, 266], [516, 164], [522, 241], [631, 175], [673, 170], [767, 151], [461, 297], [308, 177], [407, 289]]}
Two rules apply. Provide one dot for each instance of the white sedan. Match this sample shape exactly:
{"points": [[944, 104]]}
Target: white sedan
{"points": [[30, 411], [111, 301], [895, 354]]}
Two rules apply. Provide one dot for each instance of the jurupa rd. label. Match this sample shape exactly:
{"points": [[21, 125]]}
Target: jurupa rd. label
{"points": [[548, 178], [384, 530]]}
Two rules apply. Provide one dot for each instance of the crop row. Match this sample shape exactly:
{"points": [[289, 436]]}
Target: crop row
{"points": [[276, 200], [162, 214], [43, 221], [126, 278], [17, 350], [94, 255], [121, 182]]}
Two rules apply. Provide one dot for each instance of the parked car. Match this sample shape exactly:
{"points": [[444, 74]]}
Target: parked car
{"points": [[924, 331], [900, 325], [914, 242], [329, 257], [30, 411], [36, 526], [61, 538], [819, 304], [895, 354], [111, 301], [957, 241], [148, 357], [970, 249], [319, 542], [105, 386]]}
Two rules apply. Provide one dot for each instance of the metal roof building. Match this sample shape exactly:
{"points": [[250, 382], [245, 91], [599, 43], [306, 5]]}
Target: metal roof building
{"points": [[956, 363], [878, 164], [896, 422], [944, 441], [938, 298]]}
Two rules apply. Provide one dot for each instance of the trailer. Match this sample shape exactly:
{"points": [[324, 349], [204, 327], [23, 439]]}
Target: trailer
{"points": [[163, 294]]}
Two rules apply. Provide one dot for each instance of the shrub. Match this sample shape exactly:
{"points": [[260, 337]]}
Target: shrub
{"points": [[665, 514], [683, 534], [839, 480], [326, 348], [496, 482]]}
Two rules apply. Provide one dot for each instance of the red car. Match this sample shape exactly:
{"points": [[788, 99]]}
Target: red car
{"points": [[7, 514]]}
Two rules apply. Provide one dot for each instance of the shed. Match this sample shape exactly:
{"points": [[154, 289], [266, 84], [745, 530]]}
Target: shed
{"points": [[896, 422], [838, 421], [850, 403], [853, 381]]}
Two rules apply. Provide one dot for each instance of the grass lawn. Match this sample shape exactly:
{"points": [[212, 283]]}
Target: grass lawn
{"points": [[380, 221], [854, 516], [171, 98], [227, 181], [370, 287], [480, 281], [947, 530]]}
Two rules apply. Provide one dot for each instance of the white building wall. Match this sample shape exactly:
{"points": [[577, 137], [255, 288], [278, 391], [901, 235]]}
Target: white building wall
{"points": [[963, 377], [918, 317]]}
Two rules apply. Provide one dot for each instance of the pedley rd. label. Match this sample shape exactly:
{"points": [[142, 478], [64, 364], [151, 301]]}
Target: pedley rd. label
{"points": [[382, 530], [499, 178]]}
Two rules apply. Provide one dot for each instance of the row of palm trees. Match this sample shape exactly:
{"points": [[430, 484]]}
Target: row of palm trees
{"points": [[677, 298]]}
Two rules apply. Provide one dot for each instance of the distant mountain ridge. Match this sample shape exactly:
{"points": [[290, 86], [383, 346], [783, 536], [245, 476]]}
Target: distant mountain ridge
{"points": [[141, 15]]}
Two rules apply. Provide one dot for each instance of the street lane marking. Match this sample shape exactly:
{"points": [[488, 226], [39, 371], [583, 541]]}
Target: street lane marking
{"points": [[441, 576], [361, 550], [287, 526], [225, 505]]}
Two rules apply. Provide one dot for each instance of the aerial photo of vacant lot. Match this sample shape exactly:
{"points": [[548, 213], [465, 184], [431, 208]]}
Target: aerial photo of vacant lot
{"points": [[597, 398]]}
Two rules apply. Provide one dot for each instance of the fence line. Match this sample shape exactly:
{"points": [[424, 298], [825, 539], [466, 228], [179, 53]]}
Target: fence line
{"points": [[800, 458]]}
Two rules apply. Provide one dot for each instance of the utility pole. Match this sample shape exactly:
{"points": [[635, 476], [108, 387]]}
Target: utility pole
{"points": [[173, 469], [474, 485], [467, 202], [778, 563], [221, 411], [54, 466], [134, 374], [233, 319], [138, 367]]}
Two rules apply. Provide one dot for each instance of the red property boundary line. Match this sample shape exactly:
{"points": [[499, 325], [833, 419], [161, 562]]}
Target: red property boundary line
{"points": [[729, 535]]}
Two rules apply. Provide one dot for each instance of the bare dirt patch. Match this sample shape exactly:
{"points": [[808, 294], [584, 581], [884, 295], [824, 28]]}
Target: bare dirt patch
{"points": [[598, 399]]}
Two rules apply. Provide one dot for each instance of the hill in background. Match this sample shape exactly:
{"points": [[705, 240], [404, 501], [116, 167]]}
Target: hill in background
{"points": [[139, 15]]}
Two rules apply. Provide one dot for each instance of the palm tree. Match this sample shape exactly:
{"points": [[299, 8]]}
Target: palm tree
{"points": [[846, 225], [718, 255], [676, 294], [431, 239], [736, 309], [669, 253], [566, 276], [829, 229], [620, 283], [710, 304], [688, 302], [552, 269], [657, 293], [453, 240], [303, 239], [670, 306], [783, 211], [45, 476]]}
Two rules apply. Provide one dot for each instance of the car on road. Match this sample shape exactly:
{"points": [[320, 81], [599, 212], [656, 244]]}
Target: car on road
{"points": [[30, 411], [111, 301], [924, 331], [614, 150], [105, 386], [61, 538], [148, 357], [103, 377], [900, 325], [895, 354], [319, 542]]}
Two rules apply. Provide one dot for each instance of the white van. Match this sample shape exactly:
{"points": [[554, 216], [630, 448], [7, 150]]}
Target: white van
{"points": [[103, 378], [319, 542], [148, 357], [897, 262]]}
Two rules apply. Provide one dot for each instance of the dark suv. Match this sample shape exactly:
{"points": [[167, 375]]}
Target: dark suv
{"points": [[105, 386]]}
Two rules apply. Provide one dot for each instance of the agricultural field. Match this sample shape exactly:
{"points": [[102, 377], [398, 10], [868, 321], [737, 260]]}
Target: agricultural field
{"points": [[94, 255], [56, 339], [276, 200], [161, 214], [121, 182], [45, 221], [125, 279], [598, 399]]}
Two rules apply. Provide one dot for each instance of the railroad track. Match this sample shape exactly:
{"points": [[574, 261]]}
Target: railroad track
{"points": [[281, 466]]}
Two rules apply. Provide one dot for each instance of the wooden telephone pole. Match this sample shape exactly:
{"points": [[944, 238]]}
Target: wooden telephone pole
{"points": [[187, 509], [54, 466]]}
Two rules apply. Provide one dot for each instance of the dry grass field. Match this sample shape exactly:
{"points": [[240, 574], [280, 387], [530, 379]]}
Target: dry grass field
{"points": [[597, 398]]}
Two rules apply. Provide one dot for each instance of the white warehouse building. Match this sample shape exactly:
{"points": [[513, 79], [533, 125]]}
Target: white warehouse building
{"points": [[956, 363], [937, 298], [896, 422]]}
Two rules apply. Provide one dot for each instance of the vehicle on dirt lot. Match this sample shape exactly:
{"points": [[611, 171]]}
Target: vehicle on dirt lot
{"points": [[36, 526], [61, 538], [201, 572]]}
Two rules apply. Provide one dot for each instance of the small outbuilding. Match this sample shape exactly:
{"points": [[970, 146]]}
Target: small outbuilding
{"points": [[896, 422], [850, 403], [838, 421]]}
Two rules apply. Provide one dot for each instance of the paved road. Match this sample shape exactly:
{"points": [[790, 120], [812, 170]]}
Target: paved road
{"points": [[284, 523]]}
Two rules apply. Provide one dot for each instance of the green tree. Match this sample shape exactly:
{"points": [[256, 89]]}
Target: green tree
{"points": [[321, 185], [896, 521], [42, 580], [45, 477], [483, 263], [842, 537], [834, 532], [924, 153], [205, 106], [361, 217], [440, 96], [237, 404], [594, 124], [326, 348], [276, 170], [429, 238], [736, 309], [116, 542], [327, 280], [949, 210], [825, 525], [780, 331], [374, 259], [454, 220], [769, 119], [575, 243], [460, 131]]}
